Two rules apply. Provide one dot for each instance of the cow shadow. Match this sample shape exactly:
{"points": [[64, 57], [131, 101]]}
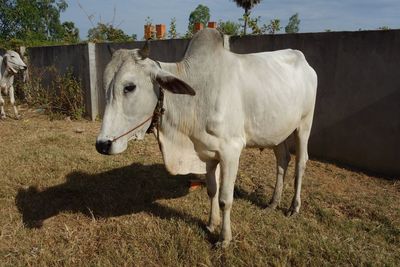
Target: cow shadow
{"points": [[117, 192]]}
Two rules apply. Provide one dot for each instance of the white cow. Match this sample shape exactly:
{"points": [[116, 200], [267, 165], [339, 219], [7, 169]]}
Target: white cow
{"points": [[10, 64], [216, 103]]}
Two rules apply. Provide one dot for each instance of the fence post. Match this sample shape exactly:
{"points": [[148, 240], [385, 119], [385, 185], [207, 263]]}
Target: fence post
{"points": [[91, 94], [227, 42]]}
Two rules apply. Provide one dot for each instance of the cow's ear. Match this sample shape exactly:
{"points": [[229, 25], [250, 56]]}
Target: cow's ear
{"points": [[171, 83]]}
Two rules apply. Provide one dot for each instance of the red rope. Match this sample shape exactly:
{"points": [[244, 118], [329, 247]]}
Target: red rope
{"points": [[122, 135]]}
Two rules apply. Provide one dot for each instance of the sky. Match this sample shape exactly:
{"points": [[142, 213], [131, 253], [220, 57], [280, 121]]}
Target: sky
{"points": [[315, 15]]}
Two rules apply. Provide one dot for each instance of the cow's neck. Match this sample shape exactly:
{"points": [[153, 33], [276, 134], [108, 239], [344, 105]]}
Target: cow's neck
{"points": [[177, 127], [179, 108], [179, 69], [5, 75]]}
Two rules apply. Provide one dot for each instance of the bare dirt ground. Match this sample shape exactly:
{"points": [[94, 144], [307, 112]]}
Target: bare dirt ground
{"points": [[62, 203]]}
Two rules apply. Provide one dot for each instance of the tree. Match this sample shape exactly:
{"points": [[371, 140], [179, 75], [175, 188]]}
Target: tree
{"points": [[229, 27], [172, 34], [274, 26], [31, 21], [384, 28], [200, 14], [106, 32], [71, 33], [247, 5], [293, 24], [253, 24]]}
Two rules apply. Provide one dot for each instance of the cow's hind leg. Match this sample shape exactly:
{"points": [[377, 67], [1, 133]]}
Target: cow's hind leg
{"points": [[302, 134], [213, 180], [12, 101], [2, 113], [282, 161]]}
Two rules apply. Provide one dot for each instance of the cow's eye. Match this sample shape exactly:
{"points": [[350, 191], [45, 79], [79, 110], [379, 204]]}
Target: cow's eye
{"points": [[129, 88]]}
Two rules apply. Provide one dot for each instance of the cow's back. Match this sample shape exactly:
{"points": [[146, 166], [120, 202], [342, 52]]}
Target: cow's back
{"points": [[277, 90]]}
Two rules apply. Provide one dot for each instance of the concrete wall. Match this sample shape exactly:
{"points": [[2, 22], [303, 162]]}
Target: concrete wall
{"points": [[357, 117]]}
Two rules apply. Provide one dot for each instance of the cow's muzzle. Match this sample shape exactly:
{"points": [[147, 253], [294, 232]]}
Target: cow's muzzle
{"points": [[104, 147]]}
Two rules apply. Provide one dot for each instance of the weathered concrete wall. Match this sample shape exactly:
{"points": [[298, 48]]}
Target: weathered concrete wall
{"points": [[357, 116]]}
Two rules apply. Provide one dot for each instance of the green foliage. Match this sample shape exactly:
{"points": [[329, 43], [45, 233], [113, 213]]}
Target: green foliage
{"points": [[273, 27], [62, 97], [31, 21], [107, 32], [148, 21], [71, 33], [253, 24], [200, 14], [293, 24], [229, 27], [384, 28], [247, 5], [172, 34]]}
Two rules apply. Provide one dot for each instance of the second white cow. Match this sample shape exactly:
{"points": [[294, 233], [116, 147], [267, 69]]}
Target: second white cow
{"points": [[216, 103], [10, 64]]}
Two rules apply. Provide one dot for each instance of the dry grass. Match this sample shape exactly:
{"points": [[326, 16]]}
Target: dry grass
{"points": [[64, 204]]}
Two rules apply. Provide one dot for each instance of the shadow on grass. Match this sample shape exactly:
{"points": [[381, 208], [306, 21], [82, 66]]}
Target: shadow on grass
{"points": [[258, 199], [117, 192], [253, 197]]}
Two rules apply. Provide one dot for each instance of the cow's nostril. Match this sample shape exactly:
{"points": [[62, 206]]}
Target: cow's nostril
{"points": [[103, 147], [107, 145]]}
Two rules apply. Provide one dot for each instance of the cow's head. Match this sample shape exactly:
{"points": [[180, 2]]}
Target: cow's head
{"points": [[132, 83], [13, 62]]}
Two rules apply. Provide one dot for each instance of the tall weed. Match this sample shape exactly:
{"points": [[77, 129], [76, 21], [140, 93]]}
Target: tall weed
{"points": [[60, 95]]}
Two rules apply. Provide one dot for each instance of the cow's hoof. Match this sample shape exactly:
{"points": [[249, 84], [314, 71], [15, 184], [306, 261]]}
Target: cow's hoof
{"points": [[222, 244], [18, 117], [211, 228], [272, 205], [292, 212], [3, 116]]}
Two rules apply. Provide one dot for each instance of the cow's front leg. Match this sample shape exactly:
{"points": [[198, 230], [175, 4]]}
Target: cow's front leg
{"points": [[213, 180], [2, 113], [229, 167], [12, 101]]}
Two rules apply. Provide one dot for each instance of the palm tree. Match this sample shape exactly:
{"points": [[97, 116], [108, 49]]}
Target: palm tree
{"points": [[247, 5]]}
